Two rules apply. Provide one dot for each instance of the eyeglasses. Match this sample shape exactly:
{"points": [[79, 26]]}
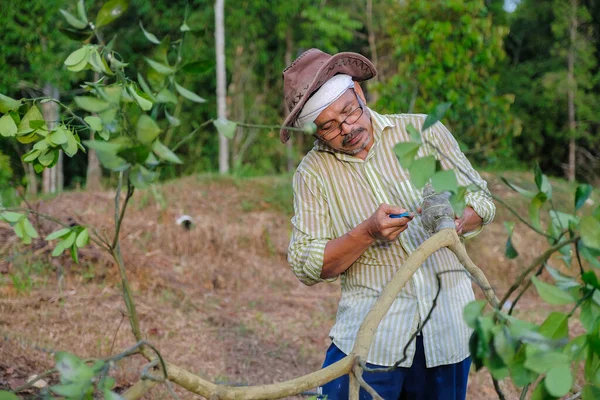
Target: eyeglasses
{"points": [[334, 131]]}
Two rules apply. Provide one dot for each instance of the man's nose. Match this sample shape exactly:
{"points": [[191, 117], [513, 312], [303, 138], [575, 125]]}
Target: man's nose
{"points": [[346, 128]]}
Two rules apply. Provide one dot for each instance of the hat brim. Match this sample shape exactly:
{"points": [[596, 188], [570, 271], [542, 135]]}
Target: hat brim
{"points": [[353, 64]]}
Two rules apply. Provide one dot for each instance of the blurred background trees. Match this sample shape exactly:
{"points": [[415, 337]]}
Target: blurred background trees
{"points": [[524, 83]]}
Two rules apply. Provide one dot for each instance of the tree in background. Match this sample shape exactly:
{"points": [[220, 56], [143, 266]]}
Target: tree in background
{"points": [[447, 51]]}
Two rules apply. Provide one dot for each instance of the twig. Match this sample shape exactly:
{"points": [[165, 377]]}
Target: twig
{"points": [[190, 135], [524, 392], [116, 332], [498, 390], [539, 260], [580, 301], [34, 380], [357, 371], [171, 390]]}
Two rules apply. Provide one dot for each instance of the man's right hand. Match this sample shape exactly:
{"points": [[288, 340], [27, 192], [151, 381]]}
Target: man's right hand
{"points": [[381, 226]]}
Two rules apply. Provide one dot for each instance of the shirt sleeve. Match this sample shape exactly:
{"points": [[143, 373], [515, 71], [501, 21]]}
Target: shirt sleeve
{"points": [[311, 229], [451, 157]]}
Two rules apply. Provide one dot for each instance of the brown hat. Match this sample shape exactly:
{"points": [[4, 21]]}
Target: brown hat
{"points": [[310, 71]]}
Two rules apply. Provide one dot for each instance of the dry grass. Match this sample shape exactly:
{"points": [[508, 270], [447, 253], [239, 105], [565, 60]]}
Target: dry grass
{"points": [[219, 299]]}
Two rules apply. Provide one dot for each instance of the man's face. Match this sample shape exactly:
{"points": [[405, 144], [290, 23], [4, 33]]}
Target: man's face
{"points": [[351, 138]]}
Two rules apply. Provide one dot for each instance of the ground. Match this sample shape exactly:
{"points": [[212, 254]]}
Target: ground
{"points": [[219, 299]]}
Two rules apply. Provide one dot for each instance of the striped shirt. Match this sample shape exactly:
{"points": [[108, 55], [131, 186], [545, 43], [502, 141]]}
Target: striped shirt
{"points": [[334, 192]]}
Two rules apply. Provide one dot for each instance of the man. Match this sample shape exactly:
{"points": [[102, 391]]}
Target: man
{"points": [[345, 190]]}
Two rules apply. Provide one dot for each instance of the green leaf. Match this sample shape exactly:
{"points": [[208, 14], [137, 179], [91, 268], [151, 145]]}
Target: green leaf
{"points": [[164, 153], [590, 255], [108, 395], [91, 104], [140, 98], [406, 152], [150, 36], [504, 346], [166, 96], [58, 136], [146, 129], [141, 177], [81, 10], [590, 313], [172, 120], [575, 349], [135, 154], [556, 326], [444, 181], [457, 200], [98, 63], [534, 209], [542, 182], [523, 192], [590, 232], [33, 114], [198, 67], [19, 229], [101, 146], [160, 68], [29, 229], [144, 85], [4, 395], [69, 240], [562, 281], [582, 193], [591, 279], [590, 392], [435, 115], [58, 249], [70, 148], [73, 20], [559, 380], [542, 361], [8, 104], [75, 34], [225, 127], [74, 254], [30, 156], [472, 311], [8, 128], [58, 234], [11, 217], [189, 94], [94, 122], [562, 220], [82, 238], [510, 250], [77, 56], [551, 294], [415, 135], [421, 170], [184, 28], [74, 390], [110, 11]]}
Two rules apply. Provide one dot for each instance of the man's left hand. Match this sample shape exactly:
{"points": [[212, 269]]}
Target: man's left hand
{"points": [[469, 221]]}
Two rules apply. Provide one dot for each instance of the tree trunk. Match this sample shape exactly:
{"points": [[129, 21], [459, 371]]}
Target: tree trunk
{"points": [[221, 83], [289, 47], [571, 89], [52, 178], [373, 48]]}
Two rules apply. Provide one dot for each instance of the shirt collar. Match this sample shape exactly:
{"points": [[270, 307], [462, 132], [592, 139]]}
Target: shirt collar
{"points": [[379, 123]]}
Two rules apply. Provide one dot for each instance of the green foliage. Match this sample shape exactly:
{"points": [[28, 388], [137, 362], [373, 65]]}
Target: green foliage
{"points": [[447, 51]]}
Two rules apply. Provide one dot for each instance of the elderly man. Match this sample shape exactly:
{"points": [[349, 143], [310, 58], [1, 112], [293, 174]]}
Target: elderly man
{"points": [[345, 191]]}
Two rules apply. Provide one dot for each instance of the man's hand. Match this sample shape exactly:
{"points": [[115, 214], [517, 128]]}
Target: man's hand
{"points": [[381, 226], [469, 221]]}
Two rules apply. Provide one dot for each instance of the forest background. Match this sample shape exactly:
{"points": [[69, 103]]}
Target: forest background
{"points": [[524, 83]]}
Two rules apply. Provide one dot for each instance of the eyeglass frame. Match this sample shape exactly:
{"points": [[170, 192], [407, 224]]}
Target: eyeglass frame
{"points": [[361, 106]]}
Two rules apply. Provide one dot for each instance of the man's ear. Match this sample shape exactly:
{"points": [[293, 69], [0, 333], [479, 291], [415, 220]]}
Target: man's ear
{"points": [[359, 92]]}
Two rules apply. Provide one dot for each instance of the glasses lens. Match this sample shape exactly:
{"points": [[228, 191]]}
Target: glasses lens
{"points": [[354, 116]]}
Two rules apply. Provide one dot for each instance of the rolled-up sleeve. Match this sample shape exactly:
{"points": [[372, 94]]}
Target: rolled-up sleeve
{"points": [[477, 196], [311, 229]]}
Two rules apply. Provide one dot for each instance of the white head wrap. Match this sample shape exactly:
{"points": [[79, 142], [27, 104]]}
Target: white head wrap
{"points": [[323, 98]]}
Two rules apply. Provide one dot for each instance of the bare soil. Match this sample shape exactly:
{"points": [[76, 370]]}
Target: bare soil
{"points": [[219, 299]]}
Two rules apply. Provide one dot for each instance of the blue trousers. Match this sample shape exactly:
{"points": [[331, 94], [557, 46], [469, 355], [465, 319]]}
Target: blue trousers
{"points": [[446, 382]]}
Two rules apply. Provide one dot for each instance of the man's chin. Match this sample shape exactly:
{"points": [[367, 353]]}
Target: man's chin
{"points": [[359, 146]]}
